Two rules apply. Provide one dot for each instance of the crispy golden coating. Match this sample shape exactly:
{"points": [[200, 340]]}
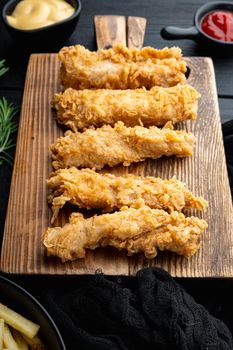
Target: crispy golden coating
{"points": [[88, 189], [95, 148], [121, 67], [80, 109], [136, 230]]}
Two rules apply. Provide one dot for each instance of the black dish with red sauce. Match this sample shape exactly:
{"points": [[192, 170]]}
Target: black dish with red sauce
{"points": [[213, 25]]}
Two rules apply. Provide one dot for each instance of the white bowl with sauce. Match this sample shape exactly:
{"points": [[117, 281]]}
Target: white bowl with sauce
{"points": [[43, 25]]}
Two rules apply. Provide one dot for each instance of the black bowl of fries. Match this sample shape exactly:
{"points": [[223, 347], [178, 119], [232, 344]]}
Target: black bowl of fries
{"points": [[24, 323]]}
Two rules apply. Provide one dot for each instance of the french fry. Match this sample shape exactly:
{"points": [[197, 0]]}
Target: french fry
{"points": [[1, 333], [32, 341], [21, 343], [18, 322], [8, 339]]}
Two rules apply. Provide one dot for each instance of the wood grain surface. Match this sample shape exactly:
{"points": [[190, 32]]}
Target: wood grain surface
{"points": [[136, 27], [110, 30], [28, 214]]}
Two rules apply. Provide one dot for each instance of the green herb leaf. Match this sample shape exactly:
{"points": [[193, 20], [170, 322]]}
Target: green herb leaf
{"points": [[3, 69], [7, 128]]}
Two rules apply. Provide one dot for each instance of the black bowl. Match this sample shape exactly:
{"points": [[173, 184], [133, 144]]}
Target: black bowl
{"points": [[21, 301], [52, 34], [195, 32]]}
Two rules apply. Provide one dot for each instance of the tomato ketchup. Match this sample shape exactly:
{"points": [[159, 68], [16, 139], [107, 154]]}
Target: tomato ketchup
{"points": [[218, 25]]}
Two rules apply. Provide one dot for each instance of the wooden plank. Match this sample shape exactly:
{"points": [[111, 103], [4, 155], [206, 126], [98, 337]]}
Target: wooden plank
{"points": [[136, 31], [28, 214], [110, 30], [226, 109]]}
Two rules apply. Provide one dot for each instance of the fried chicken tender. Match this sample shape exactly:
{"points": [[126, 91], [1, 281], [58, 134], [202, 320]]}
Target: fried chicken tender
{"points": [[88, 189], [121, 67], [84, 108], [136, 230], [95, 148]]}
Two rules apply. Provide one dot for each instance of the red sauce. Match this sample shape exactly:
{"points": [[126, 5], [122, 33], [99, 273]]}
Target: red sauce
{"points": [[218, 25]]}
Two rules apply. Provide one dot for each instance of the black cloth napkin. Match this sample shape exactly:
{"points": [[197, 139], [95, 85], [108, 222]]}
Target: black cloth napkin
{"points": [[153, 313]]}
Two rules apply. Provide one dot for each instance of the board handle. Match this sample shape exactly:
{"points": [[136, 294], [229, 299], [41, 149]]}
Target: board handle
{"points": [[136, 31], [110, 30]]}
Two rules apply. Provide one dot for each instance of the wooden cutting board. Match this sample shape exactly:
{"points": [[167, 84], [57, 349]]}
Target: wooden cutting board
{"points": [[205, 173]]}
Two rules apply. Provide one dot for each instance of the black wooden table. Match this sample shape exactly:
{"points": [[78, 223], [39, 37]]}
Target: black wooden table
{"points": [[159, 13]]}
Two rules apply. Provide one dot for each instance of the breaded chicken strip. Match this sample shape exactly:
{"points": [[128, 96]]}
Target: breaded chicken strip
{"points": [[95, 148], [136, 230], [88, 189], [121, 67], [84, 108]]}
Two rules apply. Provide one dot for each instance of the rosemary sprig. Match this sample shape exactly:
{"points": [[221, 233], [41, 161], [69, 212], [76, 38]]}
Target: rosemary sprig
{"points": [[3, 69], [7, 128]]}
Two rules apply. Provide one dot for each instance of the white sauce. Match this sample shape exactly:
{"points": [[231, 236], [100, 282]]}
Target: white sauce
{"points": [[33, 14]]}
